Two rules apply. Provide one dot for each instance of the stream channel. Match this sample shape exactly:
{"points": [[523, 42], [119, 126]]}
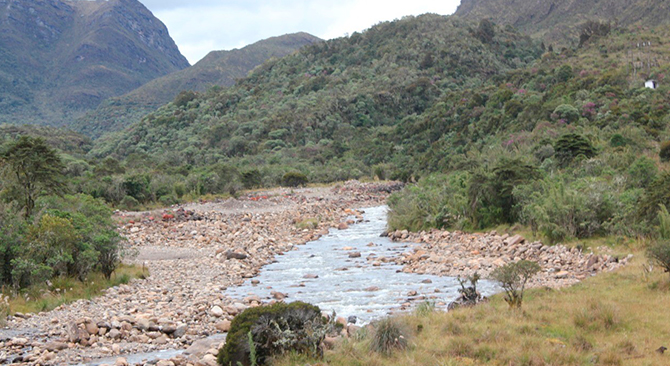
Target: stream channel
{"points": [[348, 286]]}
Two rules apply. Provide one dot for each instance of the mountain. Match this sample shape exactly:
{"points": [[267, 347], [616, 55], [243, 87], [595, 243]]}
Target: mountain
{"points": [[559, 21], [61, 58], [218, 68], [338, 100]]}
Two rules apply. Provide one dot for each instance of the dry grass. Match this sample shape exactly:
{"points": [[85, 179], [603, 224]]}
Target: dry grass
{"points": [[67, 290], [612, 319]]}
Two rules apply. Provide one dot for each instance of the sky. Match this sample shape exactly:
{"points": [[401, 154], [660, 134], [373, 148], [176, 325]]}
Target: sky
{"points": [[201, 26]]}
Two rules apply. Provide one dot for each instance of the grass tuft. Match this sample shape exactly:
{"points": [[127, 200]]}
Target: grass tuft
{"points": [[388, 336]]}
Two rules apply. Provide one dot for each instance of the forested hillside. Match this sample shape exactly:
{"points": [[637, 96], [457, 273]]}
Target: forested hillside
{"points": [[559, 21], [331, 109], [218, 68], [60, 58]]}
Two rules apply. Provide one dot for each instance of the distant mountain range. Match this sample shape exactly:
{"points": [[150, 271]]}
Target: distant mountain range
{"points": [[60, 58], [558, 21], [218, 68]]}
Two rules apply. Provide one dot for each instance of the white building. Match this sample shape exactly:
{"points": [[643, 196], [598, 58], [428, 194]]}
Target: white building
{"points": [[651, 84]]}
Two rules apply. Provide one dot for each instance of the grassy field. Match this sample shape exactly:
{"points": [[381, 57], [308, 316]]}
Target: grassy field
{"points": [[617, 318], [64, 290]]}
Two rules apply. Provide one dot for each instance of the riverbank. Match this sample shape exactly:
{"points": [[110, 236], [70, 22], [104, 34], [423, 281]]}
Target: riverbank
{"points": [[459, 254], [615, 318], [193, 256]]}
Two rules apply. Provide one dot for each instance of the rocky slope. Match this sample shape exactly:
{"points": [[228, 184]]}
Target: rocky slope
{"points": [[218, 68], [558, 21], [60, 58]]}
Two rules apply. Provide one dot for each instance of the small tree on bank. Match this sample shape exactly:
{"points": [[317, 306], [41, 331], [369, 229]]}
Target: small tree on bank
{"points": [[513, 278]]}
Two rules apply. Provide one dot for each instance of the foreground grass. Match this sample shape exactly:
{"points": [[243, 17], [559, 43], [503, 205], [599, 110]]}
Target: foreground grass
{"points": [[618, 318], [66, 290]]}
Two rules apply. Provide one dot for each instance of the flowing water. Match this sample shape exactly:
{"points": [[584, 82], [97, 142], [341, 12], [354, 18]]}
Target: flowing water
{"points": [[348, 286], [352, 286]]}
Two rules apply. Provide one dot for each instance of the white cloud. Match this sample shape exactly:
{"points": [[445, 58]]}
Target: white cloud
{"points": [[200, 26]]}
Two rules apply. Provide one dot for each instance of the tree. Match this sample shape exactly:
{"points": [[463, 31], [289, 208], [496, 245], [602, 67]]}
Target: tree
{"points": [[36, 167], [513, 278]]}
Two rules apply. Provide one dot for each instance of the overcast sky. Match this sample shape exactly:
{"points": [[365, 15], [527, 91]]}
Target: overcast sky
{"points": [[200, 26]]}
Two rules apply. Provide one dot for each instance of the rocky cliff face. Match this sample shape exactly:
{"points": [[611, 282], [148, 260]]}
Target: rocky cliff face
{"points": [[558, 21], [60, 58]]}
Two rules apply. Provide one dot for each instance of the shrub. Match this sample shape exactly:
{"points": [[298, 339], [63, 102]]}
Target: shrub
{"points": [[657, 194], [129, 203], [252, 179], [570, 146], [513, 278], [660, 254], [275, 330], [294, 179], [665, 151], [567, 112], [618, 140], [184, 97], [642, 172], [387, 337]]}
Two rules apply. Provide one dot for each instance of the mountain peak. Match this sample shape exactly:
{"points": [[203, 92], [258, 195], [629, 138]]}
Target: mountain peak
{"points": [[87, 51]]}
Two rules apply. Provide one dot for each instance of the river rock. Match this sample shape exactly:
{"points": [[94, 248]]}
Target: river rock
{"points": [[236, 255], [355, 255], [217, 311], [342, 226], [223, 326]]}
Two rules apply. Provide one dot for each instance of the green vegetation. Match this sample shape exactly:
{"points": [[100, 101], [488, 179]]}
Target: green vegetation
{"points": [[66, 236], [259, 334], [568, 146], [513, 278], [333, 111]]}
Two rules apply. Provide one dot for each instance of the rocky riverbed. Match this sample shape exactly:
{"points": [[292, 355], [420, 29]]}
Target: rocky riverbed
{"points": [[192, 255], [461, 254]]}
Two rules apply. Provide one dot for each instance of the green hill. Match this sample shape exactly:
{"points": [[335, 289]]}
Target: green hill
{"points": [[60, 58], [559, 21], [336, 101], [218, 68]]}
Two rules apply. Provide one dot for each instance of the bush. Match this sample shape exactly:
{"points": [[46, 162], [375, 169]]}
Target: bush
{"points": [[657, 194], [252, 179], [387, 337], [665, 151], [618, 140], [275, 330], [129, 203], [660, 254], [642, 172], [437, 201], [294, 179], [513, 278], [567, 112], [570, 146]]}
